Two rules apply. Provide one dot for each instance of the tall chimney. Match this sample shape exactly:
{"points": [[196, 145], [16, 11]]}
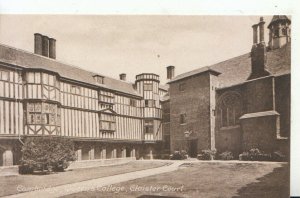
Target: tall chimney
{"points": [[259, 54], [255, 33], [261, 30], [38, 43], [45, 46], [52, 48], [170, 72], [123, 76]]}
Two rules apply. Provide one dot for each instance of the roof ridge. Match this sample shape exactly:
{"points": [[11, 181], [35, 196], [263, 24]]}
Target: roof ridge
{"points": [[61, 62]]}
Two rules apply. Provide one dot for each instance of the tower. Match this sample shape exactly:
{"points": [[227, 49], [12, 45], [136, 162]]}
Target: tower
{"points": [[279, 31], [147, 85]]}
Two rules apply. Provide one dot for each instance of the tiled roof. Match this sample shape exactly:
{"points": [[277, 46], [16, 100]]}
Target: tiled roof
{"points": [[194, 72], [237, 70], [279, 18], [29, 60]]}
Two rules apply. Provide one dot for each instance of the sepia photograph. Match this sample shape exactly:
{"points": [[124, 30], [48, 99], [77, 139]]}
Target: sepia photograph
{"points": [[145, 106]]}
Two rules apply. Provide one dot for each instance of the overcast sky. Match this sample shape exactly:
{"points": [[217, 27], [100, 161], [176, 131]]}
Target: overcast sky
{"points": [[133, 44]]}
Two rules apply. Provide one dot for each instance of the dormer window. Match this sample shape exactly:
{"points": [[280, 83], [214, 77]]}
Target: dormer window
{"points": [[99, 79]]}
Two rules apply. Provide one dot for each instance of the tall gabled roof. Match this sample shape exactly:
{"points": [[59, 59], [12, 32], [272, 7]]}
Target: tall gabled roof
{"points": [[25, 59], [237, 70], [277, 18]]}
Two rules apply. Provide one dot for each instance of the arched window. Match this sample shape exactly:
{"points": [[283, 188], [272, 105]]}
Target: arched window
{"points": [[229, 109]]}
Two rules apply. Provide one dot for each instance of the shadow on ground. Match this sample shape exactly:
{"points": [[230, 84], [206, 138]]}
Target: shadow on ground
{"points": [[275, 184]]}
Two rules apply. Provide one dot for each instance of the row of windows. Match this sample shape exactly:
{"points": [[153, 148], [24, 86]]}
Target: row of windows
{"points": [[42, 78], [10, 76], [78, 90], [150, 103], [147, 76], [105, 96]]}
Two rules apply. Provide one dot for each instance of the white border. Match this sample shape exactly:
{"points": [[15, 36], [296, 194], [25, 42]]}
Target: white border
{"points": [[184, 7]]}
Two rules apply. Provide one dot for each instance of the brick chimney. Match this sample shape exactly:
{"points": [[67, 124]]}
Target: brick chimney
{"points": [[258, 53], [52, 48], [170, 72], [45, 46], [123, 76], [38, 43]]}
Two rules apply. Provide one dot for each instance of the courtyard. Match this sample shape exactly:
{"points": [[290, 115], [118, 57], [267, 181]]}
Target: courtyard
{"points": [[184, 179]]}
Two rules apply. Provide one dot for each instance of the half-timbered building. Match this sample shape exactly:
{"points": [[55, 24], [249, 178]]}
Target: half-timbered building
{"points": [[106, 117]]}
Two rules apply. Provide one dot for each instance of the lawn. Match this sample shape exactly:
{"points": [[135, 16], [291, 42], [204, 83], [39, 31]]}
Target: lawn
{"points": [[250, 180], [11, 184]]}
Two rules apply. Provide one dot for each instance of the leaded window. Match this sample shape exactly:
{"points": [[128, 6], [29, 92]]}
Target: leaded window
{"points": [[229, 109], [148, 87], [107, 122], [43, 113], [148, 127]]}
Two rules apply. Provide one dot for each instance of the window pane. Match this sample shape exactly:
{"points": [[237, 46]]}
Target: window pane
{"points": [[38, 107], [148, 87], [51, 80], [37, 77], [45, 79], [30, 107], [38, 118], [46, 108], [4, 75], [30, 77]]}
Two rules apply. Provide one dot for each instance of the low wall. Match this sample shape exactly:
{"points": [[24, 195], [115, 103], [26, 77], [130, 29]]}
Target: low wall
{"points": [[9, 170], [99, 162]]}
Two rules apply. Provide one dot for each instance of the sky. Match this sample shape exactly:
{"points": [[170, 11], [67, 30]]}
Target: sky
{"points": [[133, 44]]}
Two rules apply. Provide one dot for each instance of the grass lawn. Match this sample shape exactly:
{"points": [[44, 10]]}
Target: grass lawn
{"points": [[11, 184], [206, 180]]}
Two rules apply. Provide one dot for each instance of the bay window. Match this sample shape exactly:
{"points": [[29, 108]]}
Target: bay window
{"points": [[43, 113]]}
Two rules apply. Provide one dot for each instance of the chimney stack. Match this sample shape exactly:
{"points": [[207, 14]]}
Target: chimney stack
{"points": [[255, 33], [261, 30], [52, 48], [170, 72], [258, 53], [45, 46], [123, 76], [38, 43]]}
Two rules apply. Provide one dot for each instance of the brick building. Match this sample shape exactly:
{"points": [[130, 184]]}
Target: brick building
{"points": [[237, 104]]}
